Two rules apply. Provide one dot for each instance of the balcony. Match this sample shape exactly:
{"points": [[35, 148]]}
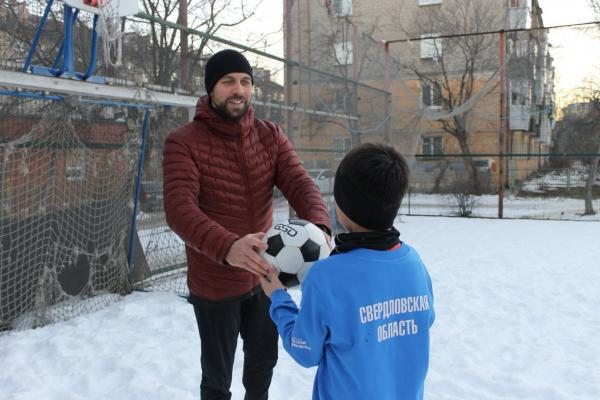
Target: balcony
{"points": [[519, 17], [519, 117], [546, 131]]}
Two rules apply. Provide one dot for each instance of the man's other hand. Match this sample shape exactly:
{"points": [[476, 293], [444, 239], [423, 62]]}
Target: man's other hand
{"points": [[243, 253]]}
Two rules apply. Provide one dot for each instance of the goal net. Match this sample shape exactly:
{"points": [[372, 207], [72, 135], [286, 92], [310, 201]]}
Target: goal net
{"points": [[66, 173]]}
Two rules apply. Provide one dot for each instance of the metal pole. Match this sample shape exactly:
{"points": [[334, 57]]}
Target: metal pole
{"points": [[308, 52], [386, 87], [355, 132], [184, 62], [502, 131], [138, 183], [289, 76], [36, 37], [68, 62], [93, 51]]}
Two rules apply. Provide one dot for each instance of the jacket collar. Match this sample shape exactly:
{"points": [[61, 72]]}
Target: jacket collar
{"points": [[206, 114]]}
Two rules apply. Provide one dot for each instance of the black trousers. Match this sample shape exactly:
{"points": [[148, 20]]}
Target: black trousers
{"points": [[219, 324]]}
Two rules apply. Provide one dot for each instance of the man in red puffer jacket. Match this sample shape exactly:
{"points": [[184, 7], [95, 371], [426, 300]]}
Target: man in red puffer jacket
{"points": [[219, 173]]}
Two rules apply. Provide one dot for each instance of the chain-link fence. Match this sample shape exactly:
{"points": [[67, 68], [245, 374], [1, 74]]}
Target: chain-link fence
{"points": [[64, 212], [81, 211], [549, 186], [81, 201]]}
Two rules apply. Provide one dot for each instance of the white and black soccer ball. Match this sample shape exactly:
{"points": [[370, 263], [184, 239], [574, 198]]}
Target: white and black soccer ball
{"points": [[293, 248]]}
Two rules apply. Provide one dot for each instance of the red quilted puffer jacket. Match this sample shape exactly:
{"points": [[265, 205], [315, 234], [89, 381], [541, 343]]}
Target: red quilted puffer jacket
{"points": [[218, 186]]}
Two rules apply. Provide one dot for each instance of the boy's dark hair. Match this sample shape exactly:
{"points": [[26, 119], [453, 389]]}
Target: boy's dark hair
{"points": [[370, 183]]}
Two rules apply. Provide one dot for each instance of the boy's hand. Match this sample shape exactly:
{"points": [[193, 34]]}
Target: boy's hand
{"points": [[271, 282], [327, 235], [329, 241]]}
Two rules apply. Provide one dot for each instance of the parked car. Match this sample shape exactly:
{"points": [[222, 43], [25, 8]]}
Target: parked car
{"points": [[450, 175], [485, 165], [457, 175], [323, 178], [423, 175], [151, 196]]}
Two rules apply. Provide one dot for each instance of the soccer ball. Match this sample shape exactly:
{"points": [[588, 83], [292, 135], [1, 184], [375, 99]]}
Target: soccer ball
{"points": [[293, 248]]}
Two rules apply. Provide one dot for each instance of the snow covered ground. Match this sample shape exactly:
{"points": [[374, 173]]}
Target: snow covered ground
{"points": [[517, 318], [562, 178], [486, 206]]}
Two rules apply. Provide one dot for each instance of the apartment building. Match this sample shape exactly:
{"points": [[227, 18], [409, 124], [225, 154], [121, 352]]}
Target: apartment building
{"points": [[444, 84]]}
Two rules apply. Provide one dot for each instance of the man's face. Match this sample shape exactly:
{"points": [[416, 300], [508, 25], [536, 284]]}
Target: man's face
{"points": [[231, 95]]}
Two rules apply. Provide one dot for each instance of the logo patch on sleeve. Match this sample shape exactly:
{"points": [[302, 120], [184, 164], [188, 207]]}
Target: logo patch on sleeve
{"points": [[300, 343]]}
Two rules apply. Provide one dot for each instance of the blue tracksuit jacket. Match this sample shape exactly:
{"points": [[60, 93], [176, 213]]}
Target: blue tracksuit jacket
{"points": [[364, 320]]}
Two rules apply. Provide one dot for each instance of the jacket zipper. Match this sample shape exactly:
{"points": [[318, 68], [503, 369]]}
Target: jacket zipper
{"points": [[246, 183]]}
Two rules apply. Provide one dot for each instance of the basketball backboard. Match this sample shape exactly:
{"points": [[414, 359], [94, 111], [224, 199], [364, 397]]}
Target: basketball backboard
{"points": [[125, 7], [106, 23]]}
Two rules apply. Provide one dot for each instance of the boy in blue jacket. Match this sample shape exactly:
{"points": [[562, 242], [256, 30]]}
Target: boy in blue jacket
{"points": [[366, 310]]}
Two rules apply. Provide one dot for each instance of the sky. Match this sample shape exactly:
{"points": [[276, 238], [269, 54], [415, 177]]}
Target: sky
{"points": [[576, 52], [517, 317]]}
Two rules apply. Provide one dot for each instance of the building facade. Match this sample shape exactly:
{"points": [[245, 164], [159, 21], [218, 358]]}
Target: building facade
{"points": [[445, 84]]}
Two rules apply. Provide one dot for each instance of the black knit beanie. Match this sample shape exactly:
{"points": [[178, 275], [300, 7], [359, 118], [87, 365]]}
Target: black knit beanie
{"points": [[223, 63], [369, 185], [362, 207]]}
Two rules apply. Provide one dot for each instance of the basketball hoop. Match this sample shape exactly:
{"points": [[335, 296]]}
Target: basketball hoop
{"points": [[109, 13], [109, 28], [107, 23]]}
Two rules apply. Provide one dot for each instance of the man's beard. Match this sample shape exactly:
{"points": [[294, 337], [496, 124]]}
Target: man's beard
{"points": [[222, 110]]}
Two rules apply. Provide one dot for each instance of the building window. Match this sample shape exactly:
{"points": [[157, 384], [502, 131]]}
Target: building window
{"points": [[75, 166], [519, 93], [431, 96], [520, 48], [342, 102], [343, 53], [431, 45], [428, 2], [341, 145], [432, 145], [342, 8]]}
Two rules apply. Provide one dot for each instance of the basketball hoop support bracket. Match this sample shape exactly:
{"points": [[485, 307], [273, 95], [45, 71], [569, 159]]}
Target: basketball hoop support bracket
{"points": [[65, 52]]}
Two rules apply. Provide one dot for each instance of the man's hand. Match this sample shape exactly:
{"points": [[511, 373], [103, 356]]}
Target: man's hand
{"points": [[243, 253], [271, 282]]}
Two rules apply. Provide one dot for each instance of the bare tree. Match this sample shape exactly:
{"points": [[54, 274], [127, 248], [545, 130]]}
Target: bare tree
{"points": [[455, 67], [163, 43], [156, 50], [337, 39], [339, 46], [150, 47], [19, 22], [595, 4], [579, 132], [593, 166]]}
